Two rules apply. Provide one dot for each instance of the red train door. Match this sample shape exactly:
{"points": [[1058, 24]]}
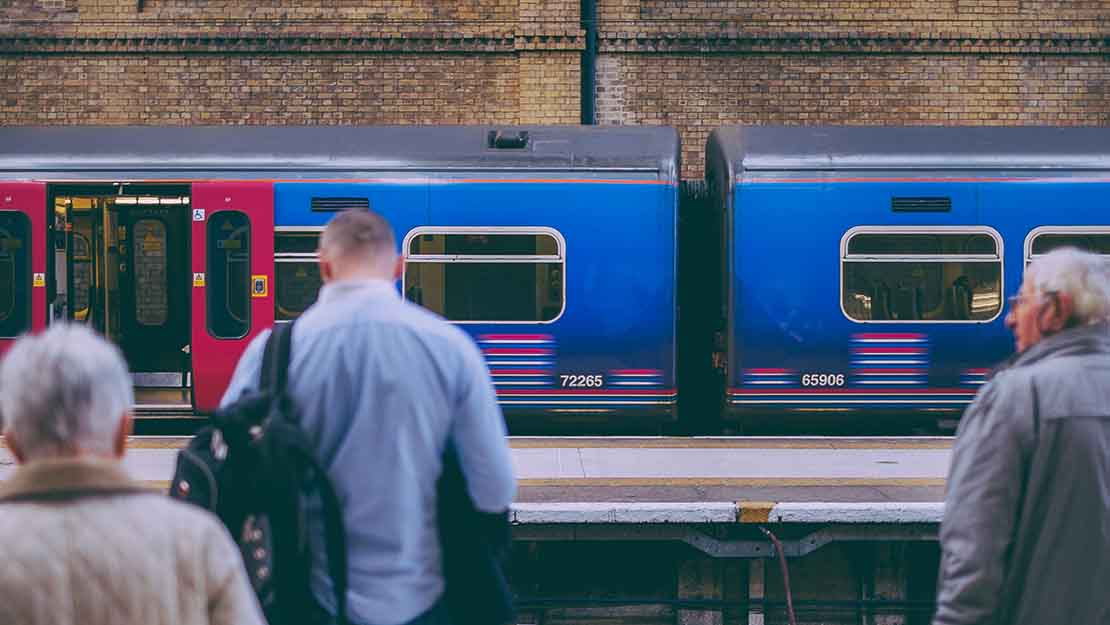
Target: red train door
{"points": [[233, 273], [22, 259]]}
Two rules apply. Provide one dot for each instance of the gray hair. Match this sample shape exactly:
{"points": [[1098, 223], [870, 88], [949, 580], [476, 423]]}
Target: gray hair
{"points": [[1084, 276], [361, 234], [63, 391]]}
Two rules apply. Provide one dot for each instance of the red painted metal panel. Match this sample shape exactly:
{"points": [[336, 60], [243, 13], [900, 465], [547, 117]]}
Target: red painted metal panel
{"points": [[214, 359], [29, 198]]}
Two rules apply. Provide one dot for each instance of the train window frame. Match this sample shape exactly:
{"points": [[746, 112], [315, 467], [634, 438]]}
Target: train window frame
{"points": [[1043, 230], [208, 287], [293, 257], [998, 257], [560, 257], [22, 287]]}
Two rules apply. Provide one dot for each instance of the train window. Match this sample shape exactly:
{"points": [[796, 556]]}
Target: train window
{"points": [[496, 275], [15, 291], [228, 289], [297, 272], [484, 244], [1044, 240], [917, 276], [149, 254], [82, 276]]}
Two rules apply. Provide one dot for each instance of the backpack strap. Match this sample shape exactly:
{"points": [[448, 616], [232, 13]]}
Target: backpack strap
{"points": [[275, 359], [274, 377]]}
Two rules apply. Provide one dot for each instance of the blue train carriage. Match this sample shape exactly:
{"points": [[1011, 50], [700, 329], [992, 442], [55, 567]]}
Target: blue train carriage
{"points": [[866, 269], [553, 247]]}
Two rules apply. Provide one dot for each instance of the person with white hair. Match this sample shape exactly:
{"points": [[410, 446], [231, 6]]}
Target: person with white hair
{"points": [[1026, 531], [80, 541]]}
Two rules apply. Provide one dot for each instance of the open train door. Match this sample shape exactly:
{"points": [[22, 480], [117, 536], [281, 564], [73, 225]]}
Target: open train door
{"points": [[233, 273], [23, 241]]}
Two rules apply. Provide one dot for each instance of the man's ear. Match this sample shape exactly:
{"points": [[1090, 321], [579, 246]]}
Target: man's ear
{"points": [[327, 272], [14, 448], [399, 268], [124, 431], [1065, 310]]}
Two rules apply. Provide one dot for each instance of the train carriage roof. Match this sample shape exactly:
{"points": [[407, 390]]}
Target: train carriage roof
{"points": [[334, 151], [753, 149]]}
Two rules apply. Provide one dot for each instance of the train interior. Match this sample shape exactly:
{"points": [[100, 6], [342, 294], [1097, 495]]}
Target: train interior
{"points": [[119, 264]]}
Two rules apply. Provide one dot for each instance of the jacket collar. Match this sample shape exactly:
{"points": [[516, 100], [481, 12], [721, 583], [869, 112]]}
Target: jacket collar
{"points": [[1088, 339], [63, 478], [335, 290]]}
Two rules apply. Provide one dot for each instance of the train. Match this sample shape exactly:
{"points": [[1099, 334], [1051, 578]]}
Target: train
{"points": [[813, 271]]}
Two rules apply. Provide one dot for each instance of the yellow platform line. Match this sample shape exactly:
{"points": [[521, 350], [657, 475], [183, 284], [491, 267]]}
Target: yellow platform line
{"points": [[752, 482], [754, 511]]}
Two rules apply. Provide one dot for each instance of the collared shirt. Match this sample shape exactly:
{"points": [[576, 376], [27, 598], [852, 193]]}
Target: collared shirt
{"points": [[83, 543], [381, 385]]}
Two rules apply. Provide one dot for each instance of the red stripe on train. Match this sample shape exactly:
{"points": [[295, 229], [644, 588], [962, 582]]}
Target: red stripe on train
{"points": [[662, 392], [879, 351], [889, 337], [851, 391]]}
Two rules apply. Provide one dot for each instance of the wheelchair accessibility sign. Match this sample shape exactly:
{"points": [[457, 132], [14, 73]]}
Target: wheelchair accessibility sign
{"points": [[260, 286]]}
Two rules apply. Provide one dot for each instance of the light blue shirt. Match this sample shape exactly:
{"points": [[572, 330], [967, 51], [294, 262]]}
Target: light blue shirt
{"points": [[381, 385]]}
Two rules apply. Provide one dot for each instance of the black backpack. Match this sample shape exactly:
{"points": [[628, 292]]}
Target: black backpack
{"points": [[255, 469]]}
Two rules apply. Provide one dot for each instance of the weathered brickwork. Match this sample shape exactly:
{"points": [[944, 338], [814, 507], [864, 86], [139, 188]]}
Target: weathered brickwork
{"points": [[253, 89], [549, 88], [695, 64], [701, 92]]}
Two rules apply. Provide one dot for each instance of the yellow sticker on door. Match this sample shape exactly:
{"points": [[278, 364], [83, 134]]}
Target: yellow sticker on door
{"points": [[39, 279], [198, 279], [260, 286]]}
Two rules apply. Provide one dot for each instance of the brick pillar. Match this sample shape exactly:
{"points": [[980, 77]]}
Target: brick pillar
{"points": [[700, 577], [757, 589], [889, 580]]}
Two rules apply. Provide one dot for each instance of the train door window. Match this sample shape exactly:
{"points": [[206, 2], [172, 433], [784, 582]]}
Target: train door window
{"points": [[228, 265], [1042, 240], [490, 275], [82, 276], [15, 288], [149, 259], [921, 275], [297, 272]]}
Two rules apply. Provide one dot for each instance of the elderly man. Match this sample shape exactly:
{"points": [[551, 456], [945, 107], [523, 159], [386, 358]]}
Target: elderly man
{"points": [[1026, 532], [79, 541]]}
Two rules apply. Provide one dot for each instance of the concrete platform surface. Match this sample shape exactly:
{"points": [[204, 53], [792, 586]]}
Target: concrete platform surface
{"points": [[691, 480]]}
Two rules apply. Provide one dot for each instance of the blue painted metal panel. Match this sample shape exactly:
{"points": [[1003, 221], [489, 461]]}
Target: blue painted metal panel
{"points": [[786, 321], [403, 202], [619, 320]]}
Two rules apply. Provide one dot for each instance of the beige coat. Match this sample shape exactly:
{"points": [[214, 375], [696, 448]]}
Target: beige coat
{"points": [[81, 544]]}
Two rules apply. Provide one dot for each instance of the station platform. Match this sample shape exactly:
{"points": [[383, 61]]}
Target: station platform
{"points": [[658, 480]]}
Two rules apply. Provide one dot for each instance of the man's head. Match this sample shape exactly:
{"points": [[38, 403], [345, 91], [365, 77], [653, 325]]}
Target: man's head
{"points": [[1062, 289], [358, 244], [65, 392]]}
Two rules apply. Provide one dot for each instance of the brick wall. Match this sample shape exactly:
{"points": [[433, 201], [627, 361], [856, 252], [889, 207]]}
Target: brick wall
{"points": [[695, 64]]}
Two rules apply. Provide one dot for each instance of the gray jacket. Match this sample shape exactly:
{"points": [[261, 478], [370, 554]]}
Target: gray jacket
{"points": [[1026, 531]]}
